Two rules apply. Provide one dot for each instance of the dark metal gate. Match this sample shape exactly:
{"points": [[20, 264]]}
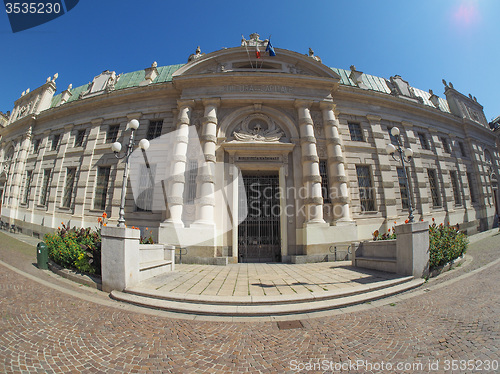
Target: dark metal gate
{"points": [[259, 235]]}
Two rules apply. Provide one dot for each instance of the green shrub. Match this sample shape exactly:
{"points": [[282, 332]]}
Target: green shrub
{"points": [[446, 243]]}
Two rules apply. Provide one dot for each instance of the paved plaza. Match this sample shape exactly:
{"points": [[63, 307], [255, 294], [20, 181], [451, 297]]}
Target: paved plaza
{"points": [[51, 325]]}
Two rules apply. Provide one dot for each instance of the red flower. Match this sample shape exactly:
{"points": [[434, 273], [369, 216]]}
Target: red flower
{"points": [[406, 221], [105, 215]]}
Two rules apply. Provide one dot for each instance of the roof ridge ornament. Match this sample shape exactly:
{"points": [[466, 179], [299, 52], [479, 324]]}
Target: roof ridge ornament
{"points": [[311, 54], [196, 55], [254, 41]]}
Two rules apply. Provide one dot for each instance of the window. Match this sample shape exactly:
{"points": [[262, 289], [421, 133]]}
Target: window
{"points": [[365, 188], [446, 145], [45, 187], [456, 189], [325, 191], [36, 145], [154, 129], [192, 173], [101, 189], [423, 141], [403, 188], [462, 149], [431, 173], [80, 136], [55, 142], [472, 187], [144, 201], [27, 186], [356, 132], [112, 133], [68, 188]]}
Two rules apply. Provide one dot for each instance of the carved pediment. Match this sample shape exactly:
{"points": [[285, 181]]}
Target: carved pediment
{"points": [[258, 128]]}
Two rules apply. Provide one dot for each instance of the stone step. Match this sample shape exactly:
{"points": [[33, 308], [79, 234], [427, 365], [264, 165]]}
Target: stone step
{"points": [[190, 304], [153, 268]]}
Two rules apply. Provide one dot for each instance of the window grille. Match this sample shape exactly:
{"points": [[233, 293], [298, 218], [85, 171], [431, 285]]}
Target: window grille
{"points": [[356, 132], [68, 188], [45, 187], [192, 174], [403, 188], [446, 145], [323, 172], [366, 193], [101, 190], [456, 188], [154, 129], [462, 149], [55, 142], [112, 133], [423, 140], [434, 188], [79, 138], [36, 145], [27, 187]]}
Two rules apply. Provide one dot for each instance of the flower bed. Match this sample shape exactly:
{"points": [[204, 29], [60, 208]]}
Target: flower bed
{"points": [[80, 249]]}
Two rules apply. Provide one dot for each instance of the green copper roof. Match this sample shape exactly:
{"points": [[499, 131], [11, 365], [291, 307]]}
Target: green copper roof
{"points": [[165, 73]]}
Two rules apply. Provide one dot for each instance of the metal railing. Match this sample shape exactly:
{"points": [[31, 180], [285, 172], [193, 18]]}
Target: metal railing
{"points": [[341, 252]]}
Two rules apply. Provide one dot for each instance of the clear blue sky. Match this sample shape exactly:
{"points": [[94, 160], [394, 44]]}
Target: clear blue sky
{"points": [[424, 41]]}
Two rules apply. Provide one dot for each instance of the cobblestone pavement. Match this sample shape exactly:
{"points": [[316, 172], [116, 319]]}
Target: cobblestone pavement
{"points": [[49, 330]]}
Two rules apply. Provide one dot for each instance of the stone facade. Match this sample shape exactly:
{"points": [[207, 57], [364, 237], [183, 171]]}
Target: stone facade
{"points": [[318, 133]]}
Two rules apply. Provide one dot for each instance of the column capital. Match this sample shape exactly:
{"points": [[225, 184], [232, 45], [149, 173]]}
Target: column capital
{"points": [[373, 118], [302, 103], [136, 115], [185, 103], [327, 105], [215, 101]]}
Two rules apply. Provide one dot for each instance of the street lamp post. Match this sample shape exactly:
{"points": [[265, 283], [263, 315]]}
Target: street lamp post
{"points": [[116, 147], [405, 158]]}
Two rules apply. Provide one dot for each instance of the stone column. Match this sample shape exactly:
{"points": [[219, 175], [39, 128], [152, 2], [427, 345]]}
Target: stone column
{"points": [[385, 162], [176, 193], [412, 249], [336, 164], [310, 165], [205, 201]]}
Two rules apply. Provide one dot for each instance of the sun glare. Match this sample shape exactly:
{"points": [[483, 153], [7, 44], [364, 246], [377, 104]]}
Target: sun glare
{"points": [[466, 15]]}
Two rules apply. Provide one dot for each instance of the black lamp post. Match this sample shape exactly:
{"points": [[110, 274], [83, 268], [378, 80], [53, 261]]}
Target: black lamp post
{"points": [[116, 147], [405, 158]]}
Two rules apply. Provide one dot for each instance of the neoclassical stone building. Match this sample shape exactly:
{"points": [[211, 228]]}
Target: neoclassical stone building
{"points": [[308, 142]]}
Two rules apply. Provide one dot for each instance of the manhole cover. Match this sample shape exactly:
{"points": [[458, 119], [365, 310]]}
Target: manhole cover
{"points": [[286, 325]]}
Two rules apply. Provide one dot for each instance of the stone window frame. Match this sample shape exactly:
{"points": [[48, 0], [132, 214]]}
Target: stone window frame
{"points": [[356, 132], [446, 145], [101, 189], [456, 187], [471, 180], [424, 142], [366, 202], [80, 138], [463, 151], [325, 183], [112, 133], [69, 186], [404, 188], [27, 186], [434, 187], [56, 140], [45, 191]]}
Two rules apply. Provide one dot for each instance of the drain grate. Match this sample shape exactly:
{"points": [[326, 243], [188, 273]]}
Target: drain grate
{"points": [[287, 325]]}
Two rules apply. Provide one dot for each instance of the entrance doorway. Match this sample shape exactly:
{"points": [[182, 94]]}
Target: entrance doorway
{"points": [[259, 237]]}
